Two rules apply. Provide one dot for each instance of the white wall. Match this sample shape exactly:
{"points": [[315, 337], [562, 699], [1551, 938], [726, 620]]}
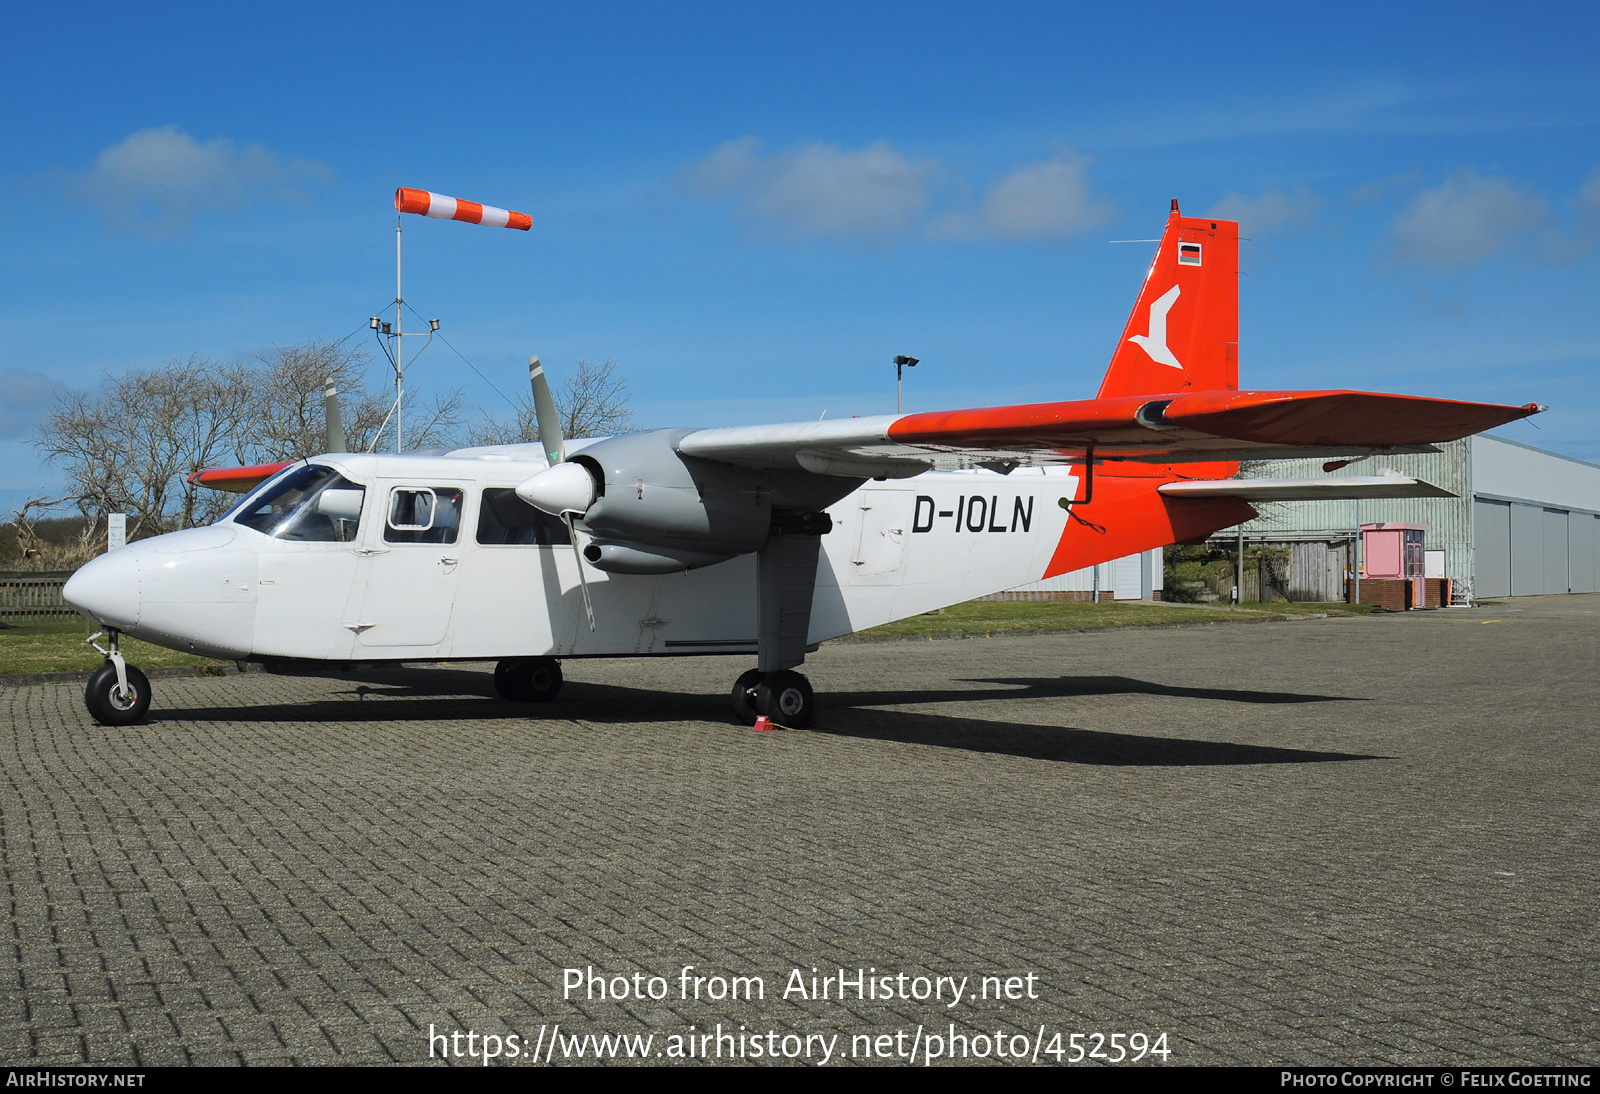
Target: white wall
{"points": [[1509, 470], [1083, 580]]}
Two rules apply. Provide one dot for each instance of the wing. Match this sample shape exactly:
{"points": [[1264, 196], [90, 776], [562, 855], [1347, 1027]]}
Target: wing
{"points": [[238, 480], [1202, 426]]}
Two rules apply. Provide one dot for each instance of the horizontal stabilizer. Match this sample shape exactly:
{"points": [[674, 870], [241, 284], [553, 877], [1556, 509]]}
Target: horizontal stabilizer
{"points": [[1386, 484]]}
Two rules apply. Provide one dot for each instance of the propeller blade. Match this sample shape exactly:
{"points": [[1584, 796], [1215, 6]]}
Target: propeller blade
{"points": [[332, 419], [544, 406], [555, 450], [583, 582]]}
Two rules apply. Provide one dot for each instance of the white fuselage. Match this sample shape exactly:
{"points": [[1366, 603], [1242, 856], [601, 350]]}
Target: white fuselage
{"points": [[898, 548]]}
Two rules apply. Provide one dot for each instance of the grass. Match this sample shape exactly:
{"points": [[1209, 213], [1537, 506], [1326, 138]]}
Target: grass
{"points": [[998, 616], [59, 647]]}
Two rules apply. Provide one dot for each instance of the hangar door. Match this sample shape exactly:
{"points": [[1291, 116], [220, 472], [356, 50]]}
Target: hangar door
{"points": [[1527, 550], [1491, 548], [1557, 560], [1128, 577], [1585, 552]]}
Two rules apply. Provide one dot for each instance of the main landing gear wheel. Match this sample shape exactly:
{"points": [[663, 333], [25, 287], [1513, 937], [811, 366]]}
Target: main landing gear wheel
{"points": [[785, 697], [528, 679], [109, 704], [744, 696]]}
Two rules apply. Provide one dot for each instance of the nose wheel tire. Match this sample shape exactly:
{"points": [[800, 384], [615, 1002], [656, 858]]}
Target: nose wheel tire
{"points": [[528, 679], [109, 705], [785, 697], [744, 696]]}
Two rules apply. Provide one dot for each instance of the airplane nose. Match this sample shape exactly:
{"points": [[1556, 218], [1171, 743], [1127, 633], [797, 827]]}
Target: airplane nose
{"points": [[107, 588]]}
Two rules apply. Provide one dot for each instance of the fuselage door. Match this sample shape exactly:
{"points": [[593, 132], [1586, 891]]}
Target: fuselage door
{"points": [[881, 539], [412, 567]]}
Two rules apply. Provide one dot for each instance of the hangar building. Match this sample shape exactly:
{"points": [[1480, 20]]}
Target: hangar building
{"points": [[1524, 522]]}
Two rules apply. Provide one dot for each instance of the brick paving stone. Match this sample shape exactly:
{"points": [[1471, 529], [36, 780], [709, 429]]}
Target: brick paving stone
{"points": [[1316, 842]]}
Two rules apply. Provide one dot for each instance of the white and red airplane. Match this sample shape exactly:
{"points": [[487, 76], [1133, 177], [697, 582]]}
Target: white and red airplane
{"points": [[756, 541]]}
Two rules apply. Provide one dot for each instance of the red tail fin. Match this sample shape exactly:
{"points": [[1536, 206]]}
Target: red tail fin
{"points": [[1183, 334]]}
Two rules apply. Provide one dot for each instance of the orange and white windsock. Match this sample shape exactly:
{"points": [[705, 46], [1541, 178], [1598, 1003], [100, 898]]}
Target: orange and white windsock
{"points": [[430, 204]]}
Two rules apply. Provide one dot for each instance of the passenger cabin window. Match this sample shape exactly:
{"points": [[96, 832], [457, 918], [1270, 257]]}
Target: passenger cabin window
{"points": [[309, 504], [423, 514], [505, 518]]}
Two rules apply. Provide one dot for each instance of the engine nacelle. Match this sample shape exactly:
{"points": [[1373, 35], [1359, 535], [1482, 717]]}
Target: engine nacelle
{"points": [[630, 558], [652, 509]]}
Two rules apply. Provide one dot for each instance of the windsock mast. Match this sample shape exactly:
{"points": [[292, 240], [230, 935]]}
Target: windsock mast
{"points": [[440, 207]]}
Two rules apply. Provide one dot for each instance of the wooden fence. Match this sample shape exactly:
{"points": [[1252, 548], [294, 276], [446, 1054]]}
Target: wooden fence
{"points": [[34, 595]]}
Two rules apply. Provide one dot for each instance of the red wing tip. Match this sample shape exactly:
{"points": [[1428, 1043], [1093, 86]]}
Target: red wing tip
{"points": [[237, 479]]}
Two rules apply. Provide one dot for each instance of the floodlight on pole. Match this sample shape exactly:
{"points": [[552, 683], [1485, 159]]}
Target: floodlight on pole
{"points": [[901, 363]]}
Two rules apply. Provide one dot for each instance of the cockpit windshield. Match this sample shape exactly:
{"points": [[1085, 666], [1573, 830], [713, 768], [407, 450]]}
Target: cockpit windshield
{"points": [[308, 504]]}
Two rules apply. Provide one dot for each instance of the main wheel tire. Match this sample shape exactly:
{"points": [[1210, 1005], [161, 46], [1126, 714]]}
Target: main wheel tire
{"points": [[785, 697], [513, 679], [108, 705], [528, 679], [544, 679], [744, 696]]}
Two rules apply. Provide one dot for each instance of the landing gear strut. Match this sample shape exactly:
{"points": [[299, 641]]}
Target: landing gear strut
{"points": [[784, 696], [528, 679], [118, 694]]}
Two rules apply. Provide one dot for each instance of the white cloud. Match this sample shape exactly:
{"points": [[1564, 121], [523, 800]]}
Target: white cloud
{"points": [[1466, 220], [1274, 211], [24, 399], [1051, 200], [1588, 203], [872, 193], [157, 181]]}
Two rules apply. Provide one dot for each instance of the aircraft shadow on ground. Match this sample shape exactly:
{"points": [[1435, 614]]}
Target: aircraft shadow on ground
{"points": [[437, 695]]}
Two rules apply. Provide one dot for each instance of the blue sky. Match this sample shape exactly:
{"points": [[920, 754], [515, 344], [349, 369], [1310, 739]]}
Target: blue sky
{"points": [[753, 208]]}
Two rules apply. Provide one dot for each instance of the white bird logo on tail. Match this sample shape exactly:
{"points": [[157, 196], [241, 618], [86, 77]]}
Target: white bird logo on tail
{"points": [[1155, 343]]}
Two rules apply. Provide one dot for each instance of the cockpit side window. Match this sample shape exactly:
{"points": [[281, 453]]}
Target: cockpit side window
{"points": [[309, 504], [424, 514], [505, 518]]}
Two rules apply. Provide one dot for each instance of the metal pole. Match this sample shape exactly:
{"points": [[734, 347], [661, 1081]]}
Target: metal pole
{"points": [[899, 388], [1097, 583], [399, 346], [1238, 573], [1356, 552]]}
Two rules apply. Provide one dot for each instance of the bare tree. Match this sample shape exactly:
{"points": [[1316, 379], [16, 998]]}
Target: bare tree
{"points": [[434, 425], [131, 447], [592, 402], [286, 419], [35, 550]]}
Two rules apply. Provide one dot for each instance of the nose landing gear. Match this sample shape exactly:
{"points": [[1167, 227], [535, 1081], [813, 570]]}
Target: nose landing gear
{"points": [[118, 694], [784, 696]]}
